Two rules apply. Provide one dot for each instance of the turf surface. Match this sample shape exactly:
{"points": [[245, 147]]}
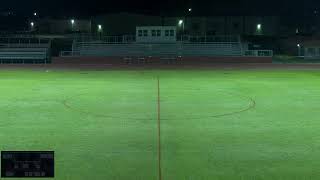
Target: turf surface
{"points": [[231, 124]]}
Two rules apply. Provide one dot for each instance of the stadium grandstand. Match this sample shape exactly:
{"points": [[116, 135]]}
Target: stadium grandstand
{"points": [[160, 42]]}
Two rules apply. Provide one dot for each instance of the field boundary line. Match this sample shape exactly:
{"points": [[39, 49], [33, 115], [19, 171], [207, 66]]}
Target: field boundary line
{"points": [[159, 131]]}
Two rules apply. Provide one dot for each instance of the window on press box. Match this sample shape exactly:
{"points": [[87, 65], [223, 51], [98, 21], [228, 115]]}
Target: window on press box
{"points": [[145, 32]]}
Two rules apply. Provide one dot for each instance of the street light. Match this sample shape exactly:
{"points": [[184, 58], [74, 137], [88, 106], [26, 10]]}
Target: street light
{"points": [[72, 21], [190, 9], [35, 14]]}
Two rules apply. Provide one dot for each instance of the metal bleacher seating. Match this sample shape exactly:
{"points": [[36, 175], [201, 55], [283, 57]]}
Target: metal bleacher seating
{"points": [[185, 48], [164, 50], [24, 50], [133, 52]]}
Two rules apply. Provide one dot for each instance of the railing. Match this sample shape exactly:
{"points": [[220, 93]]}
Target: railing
{"points": [[23, 40], [259, 53], [132, 39], [70, 53], [180, 49], [177, 49], [209, 39], [105, 39], [23, 55]]}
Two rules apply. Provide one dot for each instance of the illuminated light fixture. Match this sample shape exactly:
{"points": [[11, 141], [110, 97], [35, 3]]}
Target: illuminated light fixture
{"points": [[32, 24], [298, 45], [180, 22], [259, 27], [99, 27], [35, 14], [190, 9], [72, 21]]}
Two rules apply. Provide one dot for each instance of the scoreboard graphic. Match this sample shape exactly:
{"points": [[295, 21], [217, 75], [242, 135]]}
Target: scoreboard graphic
{"points": [[24, 164]]}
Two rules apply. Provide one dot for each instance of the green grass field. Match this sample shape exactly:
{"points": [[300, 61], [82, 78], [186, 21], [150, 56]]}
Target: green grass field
{"points": [[215, 124]]}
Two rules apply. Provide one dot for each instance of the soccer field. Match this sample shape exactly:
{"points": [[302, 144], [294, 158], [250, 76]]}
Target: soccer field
{"points": [[214, 124]]}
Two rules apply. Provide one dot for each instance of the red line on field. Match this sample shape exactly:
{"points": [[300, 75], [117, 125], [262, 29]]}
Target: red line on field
{"points": [[159, 133]]}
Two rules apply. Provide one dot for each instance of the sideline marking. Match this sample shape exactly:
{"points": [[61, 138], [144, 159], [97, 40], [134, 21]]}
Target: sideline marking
{"points": [[159, 133]]}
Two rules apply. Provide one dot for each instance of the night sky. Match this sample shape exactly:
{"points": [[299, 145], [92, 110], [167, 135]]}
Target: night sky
{"points": [[162, 7]]}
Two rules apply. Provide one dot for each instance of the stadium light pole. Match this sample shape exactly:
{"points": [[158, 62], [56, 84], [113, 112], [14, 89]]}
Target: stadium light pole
{"points": [[259, 29], [100, 30], [181, 25], [32, 26], [186, 18], [72, 24], [180, 22]]}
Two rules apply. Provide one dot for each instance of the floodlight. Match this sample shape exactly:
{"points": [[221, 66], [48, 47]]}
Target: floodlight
{"points": [[100, 27], [180, 22], [259, 27]]}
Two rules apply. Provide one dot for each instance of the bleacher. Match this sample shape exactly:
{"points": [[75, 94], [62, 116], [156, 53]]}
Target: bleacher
{"points": [[24, 50], [212, 49], [185, 48]]}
